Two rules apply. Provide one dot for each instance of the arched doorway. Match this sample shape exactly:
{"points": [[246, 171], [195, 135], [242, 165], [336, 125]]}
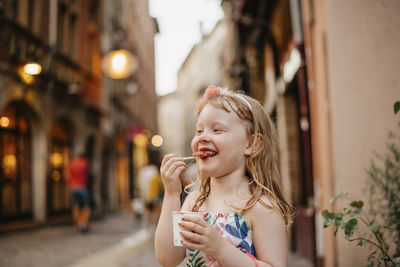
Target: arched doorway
{"points": [[15, 162], [58, 197]]}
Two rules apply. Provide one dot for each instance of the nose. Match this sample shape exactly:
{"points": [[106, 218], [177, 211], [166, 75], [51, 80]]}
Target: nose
{"points": [[204, 136], [200, 138]]}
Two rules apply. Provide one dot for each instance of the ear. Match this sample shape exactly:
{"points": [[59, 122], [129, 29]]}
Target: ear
{"points": [[254, 144]]}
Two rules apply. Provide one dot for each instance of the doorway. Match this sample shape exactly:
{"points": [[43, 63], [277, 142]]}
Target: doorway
{"points": [[15, 163], [58, 197]]}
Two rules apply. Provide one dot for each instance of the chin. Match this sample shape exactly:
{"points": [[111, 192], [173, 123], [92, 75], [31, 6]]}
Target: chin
{"points": [[209, 168], [206, 171], [210, 173]]}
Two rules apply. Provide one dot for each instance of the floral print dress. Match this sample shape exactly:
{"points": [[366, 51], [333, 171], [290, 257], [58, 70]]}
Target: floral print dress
{"points": [[233, 228]]}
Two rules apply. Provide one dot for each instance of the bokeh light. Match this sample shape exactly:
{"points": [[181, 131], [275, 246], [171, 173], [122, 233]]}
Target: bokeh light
{"points": [[157, 140]]}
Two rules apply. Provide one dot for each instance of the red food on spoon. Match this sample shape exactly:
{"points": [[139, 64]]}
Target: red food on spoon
{"points": [[202, 154]]}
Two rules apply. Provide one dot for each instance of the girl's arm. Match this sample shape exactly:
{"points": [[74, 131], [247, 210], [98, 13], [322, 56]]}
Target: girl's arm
{"points": [[269, 238], [167, 254], [269, 234]]}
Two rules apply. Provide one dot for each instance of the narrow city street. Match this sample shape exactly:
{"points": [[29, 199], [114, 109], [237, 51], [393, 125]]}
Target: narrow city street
{"points": [[117, 240]]}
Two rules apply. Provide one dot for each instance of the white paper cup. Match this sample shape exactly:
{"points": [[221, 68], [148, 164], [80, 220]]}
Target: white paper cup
{"points": [[176, 219]]}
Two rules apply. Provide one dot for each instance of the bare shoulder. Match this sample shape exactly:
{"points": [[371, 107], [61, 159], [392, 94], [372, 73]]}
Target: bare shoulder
{"points": [[265, 212], [190, 201], [269, 232]]}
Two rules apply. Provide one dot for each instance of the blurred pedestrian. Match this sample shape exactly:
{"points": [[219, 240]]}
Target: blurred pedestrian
{"points": [[151, 189], [77, 176]]}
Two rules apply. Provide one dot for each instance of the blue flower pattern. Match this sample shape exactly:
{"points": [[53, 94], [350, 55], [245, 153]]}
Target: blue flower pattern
{"points": [[233, 228]]}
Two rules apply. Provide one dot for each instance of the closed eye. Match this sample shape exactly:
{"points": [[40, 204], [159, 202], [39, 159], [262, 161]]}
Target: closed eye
{"points": [[199, 131]]}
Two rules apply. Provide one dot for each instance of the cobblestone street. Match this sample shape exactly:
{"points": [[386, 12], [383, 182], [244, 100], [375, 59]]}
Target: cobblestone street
{"points": [[117, 240]]}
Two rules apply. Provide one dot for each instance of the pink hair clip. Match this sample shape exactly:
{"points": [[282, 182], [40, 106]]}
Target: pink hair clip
{"points": [[214, 90], [211, 90]]}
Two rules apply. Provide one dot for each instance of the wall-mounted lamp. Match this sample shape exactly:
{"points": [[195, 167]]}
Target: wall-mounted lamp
{"points": [[4, 121], [32, 68], [28, 72], [119, 64]]}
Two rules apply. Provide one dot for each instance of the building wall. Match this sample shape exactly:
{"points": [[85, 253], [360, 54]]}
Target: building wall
{"points": [[170, 113], [79, 93], [48, 102], [130, 104], [315, 47], [205, 65], [140, 29], [363, 84]]}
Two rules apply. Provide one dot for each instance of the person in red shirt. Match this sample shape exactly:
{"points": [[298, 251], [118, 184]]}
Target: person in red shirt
{"points": [[77, 176]]}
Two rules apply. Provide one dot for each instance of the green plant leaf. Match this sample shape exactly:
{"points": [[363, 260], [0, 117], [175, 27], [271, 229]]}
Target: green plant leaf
{"points": [[374, 227], [361, 243], [370, 264], [383, 189], [341, 194], [396, 107], [336, 230], [355, 213], [343, 224], [384, 258], [351, 226], [357, 204], [329, 218]]}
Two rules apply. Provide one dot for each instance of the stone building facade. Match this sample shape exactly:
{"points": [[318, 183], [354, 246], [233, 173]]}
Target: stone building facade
{"points": [[68, 108], [130, 104]]}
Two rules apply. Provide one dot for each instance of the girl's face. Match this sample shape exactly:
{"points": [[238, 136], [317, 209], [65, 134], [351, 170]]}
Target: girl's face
{"points": [[222, 137]]}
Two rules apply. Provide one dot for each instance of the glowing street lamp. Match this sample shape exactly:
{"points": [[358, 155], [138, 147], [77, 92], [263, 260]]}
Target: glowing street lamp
{"points": [[28, 72], [119, 64], [32, 68]]}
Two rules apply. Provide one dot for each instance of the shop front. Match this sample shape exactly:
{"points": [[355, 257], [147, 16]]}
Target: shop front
{"points": [[15, 163], [58, 197]]}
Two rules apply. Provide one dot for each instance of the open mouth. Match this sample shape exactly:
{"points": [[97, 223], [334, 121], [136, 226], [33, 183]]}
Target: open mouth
{"points": [[205, 153]]}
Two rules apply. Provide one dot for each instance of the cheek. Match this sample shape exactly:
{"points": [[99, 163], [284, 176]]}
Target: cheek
{"points": [[194, 144]]}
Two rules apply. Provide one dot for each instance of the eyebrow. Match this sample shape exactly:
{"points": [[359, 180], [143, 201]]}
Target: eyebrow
{"points": [[217, 122]]}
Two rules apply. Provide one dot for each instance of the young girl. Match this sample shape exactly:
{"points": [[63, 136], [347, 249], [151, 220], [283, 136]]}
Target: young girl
{"points": [[238, 187]]}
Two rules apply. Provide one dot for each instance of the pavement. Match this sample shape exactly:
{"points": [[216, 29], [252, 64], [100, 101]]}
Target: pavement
{"points": [[117, 240]]}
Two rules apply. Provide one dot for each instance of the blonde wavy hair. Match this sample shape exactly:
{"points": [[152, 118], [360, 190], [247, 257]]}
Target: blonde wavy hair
{"points": [[262, 165]]}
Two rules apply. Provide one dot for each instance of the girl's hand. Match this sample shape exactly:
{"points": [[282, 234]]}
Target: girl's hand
{"points": [[172, 166], [200, 235]]}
